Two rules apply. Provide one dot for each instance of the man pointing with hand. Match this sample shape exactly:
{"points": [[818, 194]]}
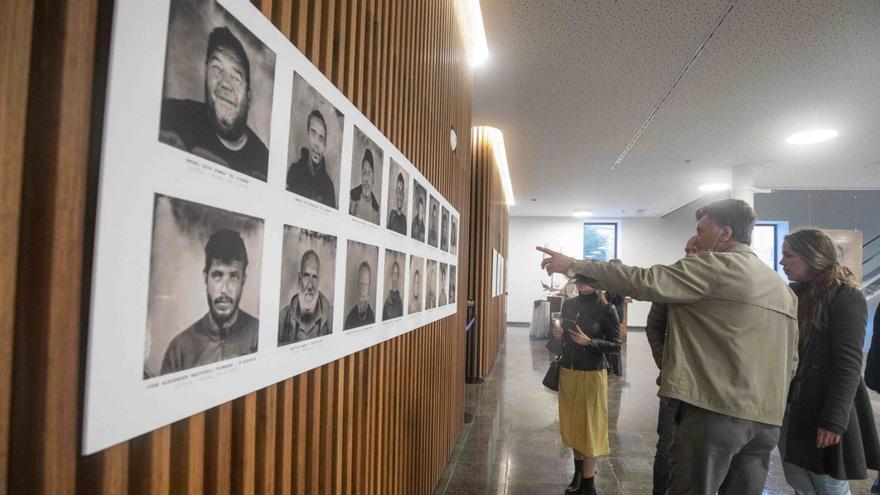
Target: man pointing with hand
{"points": [[730, 353]]}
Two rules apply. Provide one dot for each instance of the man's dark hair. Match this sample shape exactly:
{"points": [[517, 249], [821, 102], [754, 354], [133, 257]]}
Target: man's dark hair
{"points": [[733, 213], [225, 246], [400, 177], [368, 157], [316, 114], [421, 200], [309, 254], [365, 266], [221, 38], [395, 264]]}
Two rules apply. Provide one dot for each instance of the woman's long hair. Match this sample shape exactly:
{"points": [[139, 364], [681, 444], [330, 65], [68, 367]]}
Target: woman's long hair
{"points": [[820, 254]]}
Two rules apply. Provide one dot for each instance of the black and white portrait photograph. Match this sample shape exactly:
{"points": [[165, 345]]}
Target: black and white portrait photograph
{"points": [[308, 272], [453, 234], [360, 284], [431, 282], [416, 285], [433, 222], [420, 209], [314, 153], [444, 229], [366, 178], [443, 299], [204, 292], [395, 275], [398, 180], [217, 92], [452, 283]]}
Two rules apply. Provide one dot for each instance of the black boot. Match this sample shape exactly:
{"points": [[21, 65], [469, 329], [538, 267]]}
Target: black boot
{"points": [[588, 486], [575, 484]]}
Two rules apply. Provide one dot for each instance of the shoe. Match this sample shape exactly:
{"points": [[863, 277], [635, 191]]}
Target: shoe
{"points": [[577, 479], [588, 487]]}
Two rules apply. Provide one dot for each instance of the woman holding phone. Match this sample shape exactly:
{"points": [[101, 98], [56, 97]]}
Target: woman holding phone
{"points": [[588, 330], [828, 434]]}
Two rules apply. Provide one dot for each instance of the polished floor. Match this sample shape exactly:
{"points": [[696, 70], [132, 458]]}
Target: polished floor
{"points": [[512, 445]]}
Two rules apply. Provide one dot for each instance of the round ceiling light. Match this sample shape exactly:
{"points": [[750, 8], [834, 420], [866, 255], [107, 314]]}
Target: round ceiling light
{"points": [[582, 213], [810, 137], [715, 187]]}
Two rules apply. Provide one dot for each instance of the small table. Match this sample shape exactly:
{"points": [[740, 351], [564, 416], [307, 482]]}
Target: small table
{"points": [[540, 320]]}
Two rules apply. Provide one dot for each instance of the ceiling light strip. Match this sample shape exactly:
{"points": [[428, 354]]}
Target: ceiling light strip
{"points": [[681, 74], [496, 139]]}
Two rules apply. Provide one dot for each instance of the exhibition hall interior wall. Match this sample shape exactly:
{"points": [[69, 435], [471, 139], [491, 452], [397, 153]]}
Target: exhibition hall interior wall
{"points": [[489, 249], [381, 420], [660, 240]]}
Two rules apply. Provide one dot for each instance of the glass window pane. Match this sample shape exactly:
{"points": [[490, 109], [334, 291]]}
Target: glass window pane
{"points": [[600, 241], [764, 244]]}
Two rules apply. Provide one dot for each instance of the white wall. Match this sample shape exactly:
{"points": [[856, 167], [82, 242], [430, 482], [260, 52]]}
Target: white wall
{"points": [[642, 242]]}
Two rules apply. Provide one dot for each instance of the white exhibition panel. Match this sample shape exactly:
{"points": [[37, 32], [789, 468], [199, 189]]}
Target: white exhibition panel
{"points": [[122, 401]]}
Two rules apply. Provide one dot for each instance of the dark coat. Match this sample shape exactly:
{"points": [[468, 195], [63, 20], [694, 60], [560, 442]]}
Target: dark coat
{"points": [[599, 322], [872, 366], [828, 392]]}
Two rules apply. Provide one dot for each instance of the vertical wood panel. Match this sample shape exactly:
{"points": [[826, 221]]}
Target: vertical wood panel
{"points": [[383, 420], [16, 20]]}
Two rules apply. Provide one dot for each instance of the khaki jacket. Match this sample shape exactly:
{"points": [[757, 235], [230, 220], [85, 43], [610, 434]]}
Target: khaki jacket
{"points": [[732, 336]]}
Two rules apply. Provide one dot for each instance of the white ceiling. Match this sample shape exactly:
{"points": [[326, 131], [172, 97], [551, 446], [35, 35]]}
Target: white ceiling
{"points": [[570, 82]]}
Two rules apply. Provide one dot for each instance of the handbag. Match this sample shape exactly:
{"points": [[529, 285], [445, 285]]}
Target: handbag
{"points": [[551, 378]]}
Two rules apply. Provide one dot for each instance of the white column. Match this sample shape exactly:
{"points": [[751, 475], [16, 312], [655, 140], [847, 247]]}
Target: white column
{"points": [[743, 185]]}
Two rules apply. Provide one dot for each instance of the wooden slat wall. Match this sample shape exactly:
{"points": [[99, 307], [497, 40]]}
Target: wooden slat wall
{"points": [[381, 421], [490, 220]]}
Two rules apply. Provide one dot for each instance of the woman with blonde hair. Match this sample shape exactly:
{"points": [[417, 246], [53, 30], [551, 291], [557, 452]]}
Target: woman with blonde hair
{"points": [[828, 434], [589, 329]]}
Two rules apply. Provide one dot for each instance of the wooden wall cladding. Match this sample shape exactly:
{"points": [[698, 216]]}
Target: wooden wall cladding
{"points": [[381, 421], [490, 220]]}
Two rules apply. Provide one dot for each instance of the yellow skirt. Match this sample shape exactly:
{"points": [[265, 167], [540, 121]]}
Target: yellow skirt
{"points": [[583, 411]]}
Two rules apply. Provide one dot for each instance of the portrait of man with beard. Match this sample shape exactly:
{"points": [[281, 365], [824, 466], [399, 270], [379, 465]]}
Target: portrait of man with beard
{"points": [[393, 306], [309, 313], [366, 172], [418, 223], [431, 291], [315, 144], [216, 126], [451, 284], [225, 331], [442, 296], [397, 198], [433, 222], [416, 302], [362, 312]]}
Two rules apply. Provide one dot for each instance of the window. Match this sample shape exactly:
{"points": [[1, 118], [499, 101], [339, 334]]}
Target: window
{"points": [[600, 241], [764, 244]]}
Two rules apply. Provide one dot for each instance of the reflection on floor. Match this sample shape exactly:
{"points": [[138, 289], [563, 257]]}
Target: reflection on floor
{"points": [[512, 446]]}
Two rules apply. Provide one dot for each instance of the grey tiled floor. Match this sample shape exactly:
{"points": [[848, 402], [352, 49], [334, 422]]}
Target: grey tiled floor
{"points": [[512, 446]]}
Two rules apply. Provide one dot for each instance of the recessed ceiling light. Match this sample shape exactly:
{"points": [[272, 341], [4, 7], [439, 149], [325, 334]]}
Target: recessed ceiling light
{"points": [[582, 213], [715, 187], [810, 137]]}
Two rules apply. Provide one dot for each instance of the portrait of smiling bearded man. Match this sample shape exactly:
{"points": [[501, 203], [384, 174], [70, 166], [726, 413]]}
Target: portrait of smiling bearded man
{"points": [[217, 128]]}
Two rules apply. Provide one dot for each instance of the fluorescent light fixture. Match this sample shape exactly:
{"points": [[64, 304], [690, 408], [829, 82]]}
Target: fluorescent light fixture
{"points": [[810, 137], [715, 187], [582, 213], [471, 21], [496, 138]]}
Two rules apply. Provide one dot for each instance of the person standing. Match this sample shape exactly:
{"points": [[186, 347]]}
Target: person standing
{"points": [[829, 435], [730, 350], [655, 330], [591, 329]]}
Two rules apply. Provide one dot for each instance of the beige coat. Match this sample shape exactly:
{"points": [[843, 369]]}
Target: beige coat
{"points": [[732, 335]]}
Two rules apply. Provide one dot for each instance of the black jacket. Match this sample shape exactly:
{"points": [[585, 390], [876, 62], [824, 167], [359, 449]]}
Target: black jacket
{"points": [[599, 321], [872, 366], [828, 392]]}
